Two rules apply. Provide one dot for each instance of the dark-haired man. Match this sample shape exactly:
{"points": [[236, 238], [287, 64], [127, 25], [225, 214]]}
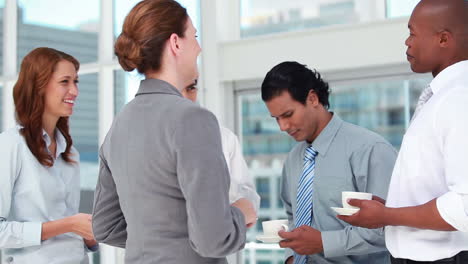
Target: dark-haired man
{"points": [[426, 213], [332, 156]]}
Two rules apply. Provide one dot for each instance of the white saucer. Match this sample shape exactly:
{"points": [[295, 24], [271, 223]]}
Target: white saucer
{"points": [[269, 239], [345, 211]]}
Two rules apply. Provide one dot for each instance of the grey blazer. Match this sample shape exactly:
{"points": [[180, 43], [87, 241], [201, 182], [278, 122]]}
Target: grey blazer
{"points": [[163, 184]]}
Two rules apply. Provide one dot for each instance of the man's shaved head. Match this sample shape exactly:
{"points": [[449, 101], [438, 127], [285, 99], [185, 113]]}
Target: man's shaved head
{"points": [[438, 35], [445, 15]]}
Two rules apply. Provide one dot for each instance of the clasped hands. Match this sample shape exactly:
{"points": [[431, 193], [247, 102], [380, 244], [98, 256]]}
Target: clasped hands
{"points": [[247, 209]]}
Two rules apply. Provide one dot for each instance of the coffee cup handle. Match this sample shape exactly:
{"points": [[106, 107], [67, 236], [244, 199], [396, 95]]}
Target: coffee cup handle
{"points": [[285, 227]]}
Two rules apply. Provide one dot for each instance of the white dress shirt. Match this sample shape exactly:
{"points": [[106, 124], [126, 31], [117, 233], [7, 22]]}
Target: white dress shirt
{"points": [[433, 163], [31, 194], [242, 185]]}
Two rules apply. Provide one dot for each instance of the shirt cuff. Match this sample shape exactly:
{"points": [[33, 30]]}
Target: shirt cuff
{"points": [[32, 232], [92, 248], [331, 243], [451, 208], [288, 253]]}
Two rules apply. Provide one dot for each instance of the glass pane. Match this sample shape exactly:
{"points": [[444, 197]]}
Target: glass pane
{"points": [[398, 8], [416, 87], [379, 106], [263, 189], [1, 108], [84, 130], [264, 147], [260, 130], [269, 253], [260, 17], [2, 5], [122, 7], [73, 29], [278, 189], [126, 86]]}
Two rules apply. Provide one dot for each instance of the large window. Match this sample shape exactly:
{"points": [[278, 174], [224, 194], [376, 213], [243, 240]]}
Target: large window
{"points": [[398, 8], [72, 28], [264, 148], [2, 5], [259, 130], [126, 86], [84, 129], [260, 17], [1, 108], [122, 7], [381, 105]]}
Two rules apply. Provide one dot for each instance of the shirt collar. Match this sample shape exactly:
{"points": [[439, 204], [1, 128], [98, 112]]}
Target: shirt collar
{"points": [[449, 74], [60, 140], [322, 143], [155, 86]]}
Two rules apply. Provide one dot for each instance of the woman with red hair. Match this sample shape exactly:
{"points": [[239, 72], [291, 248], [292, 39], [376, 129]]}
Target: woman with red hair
{"points": [[39, 167]]}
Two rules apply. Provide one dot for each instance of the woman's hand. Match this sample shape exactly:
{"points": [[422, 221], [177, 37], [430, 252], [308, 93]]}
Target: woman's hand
{"points": [[81, 225], [248, 210]]}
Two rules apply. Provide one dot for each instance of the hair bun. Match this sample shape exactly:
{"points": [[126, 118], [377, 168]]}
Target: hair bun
{"points": [[145, 32], [128, 52]]}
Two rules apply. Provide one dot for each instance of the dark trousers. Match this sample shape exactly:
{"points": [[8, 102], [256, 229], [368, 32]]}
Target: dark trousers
{"points": [[460, 258]]}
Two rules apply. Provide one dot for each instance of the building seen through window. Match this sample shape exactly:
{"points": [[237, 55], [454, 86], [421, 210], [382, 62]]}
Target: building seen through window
{"points": [[260, 17]]}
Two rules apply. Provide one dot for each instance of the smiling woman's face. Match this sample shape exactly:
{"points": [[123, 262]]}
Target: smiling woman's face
{"points": [[61, 91]]}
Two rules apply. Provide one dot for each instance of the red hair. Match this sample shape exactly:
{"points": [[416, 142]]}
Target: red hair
{"points": [[29, 97]]}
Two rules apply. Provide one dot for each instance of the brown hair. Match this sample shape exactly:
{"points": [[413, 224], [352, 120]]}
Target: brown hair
{"points": [[145, 30], [29, 97]]}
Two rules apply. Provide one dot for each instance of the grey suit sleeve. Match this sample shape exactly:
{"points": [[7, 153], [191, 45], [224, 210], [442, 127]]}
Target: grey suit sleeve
{"points": [[372, 168], [215, 228], [109, 225], [286, 199]]}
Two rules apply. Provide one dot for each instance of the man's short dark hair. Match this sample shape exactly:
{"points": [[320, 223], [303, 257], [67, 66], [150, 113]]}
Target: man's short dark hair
{"points": [[298, 80]]}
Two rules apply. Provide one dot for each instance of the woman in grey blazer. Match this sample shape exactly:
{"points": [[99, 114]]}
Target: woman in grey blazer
{"points": [[163, 183]]}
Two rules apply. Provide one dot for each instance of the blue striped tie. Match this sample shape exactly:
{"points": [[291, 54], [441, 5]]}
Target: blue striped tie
{"points": [[304, 196]]}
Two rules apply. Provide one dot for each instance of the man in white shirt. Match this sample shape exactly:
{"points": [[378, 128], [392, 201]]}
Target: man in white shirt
{"points": [[426, 213]]}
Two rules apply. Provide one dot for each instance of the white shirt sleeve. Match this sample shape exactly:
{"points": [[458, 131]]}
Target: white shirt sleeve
{"points": [[242, 185], [13, 234], [452, 128]]}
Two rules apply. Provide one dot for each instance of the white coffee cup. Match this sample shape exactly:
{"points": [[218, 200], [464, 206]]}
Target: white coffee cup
{"points": [[271, 228], [345, 196]]}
